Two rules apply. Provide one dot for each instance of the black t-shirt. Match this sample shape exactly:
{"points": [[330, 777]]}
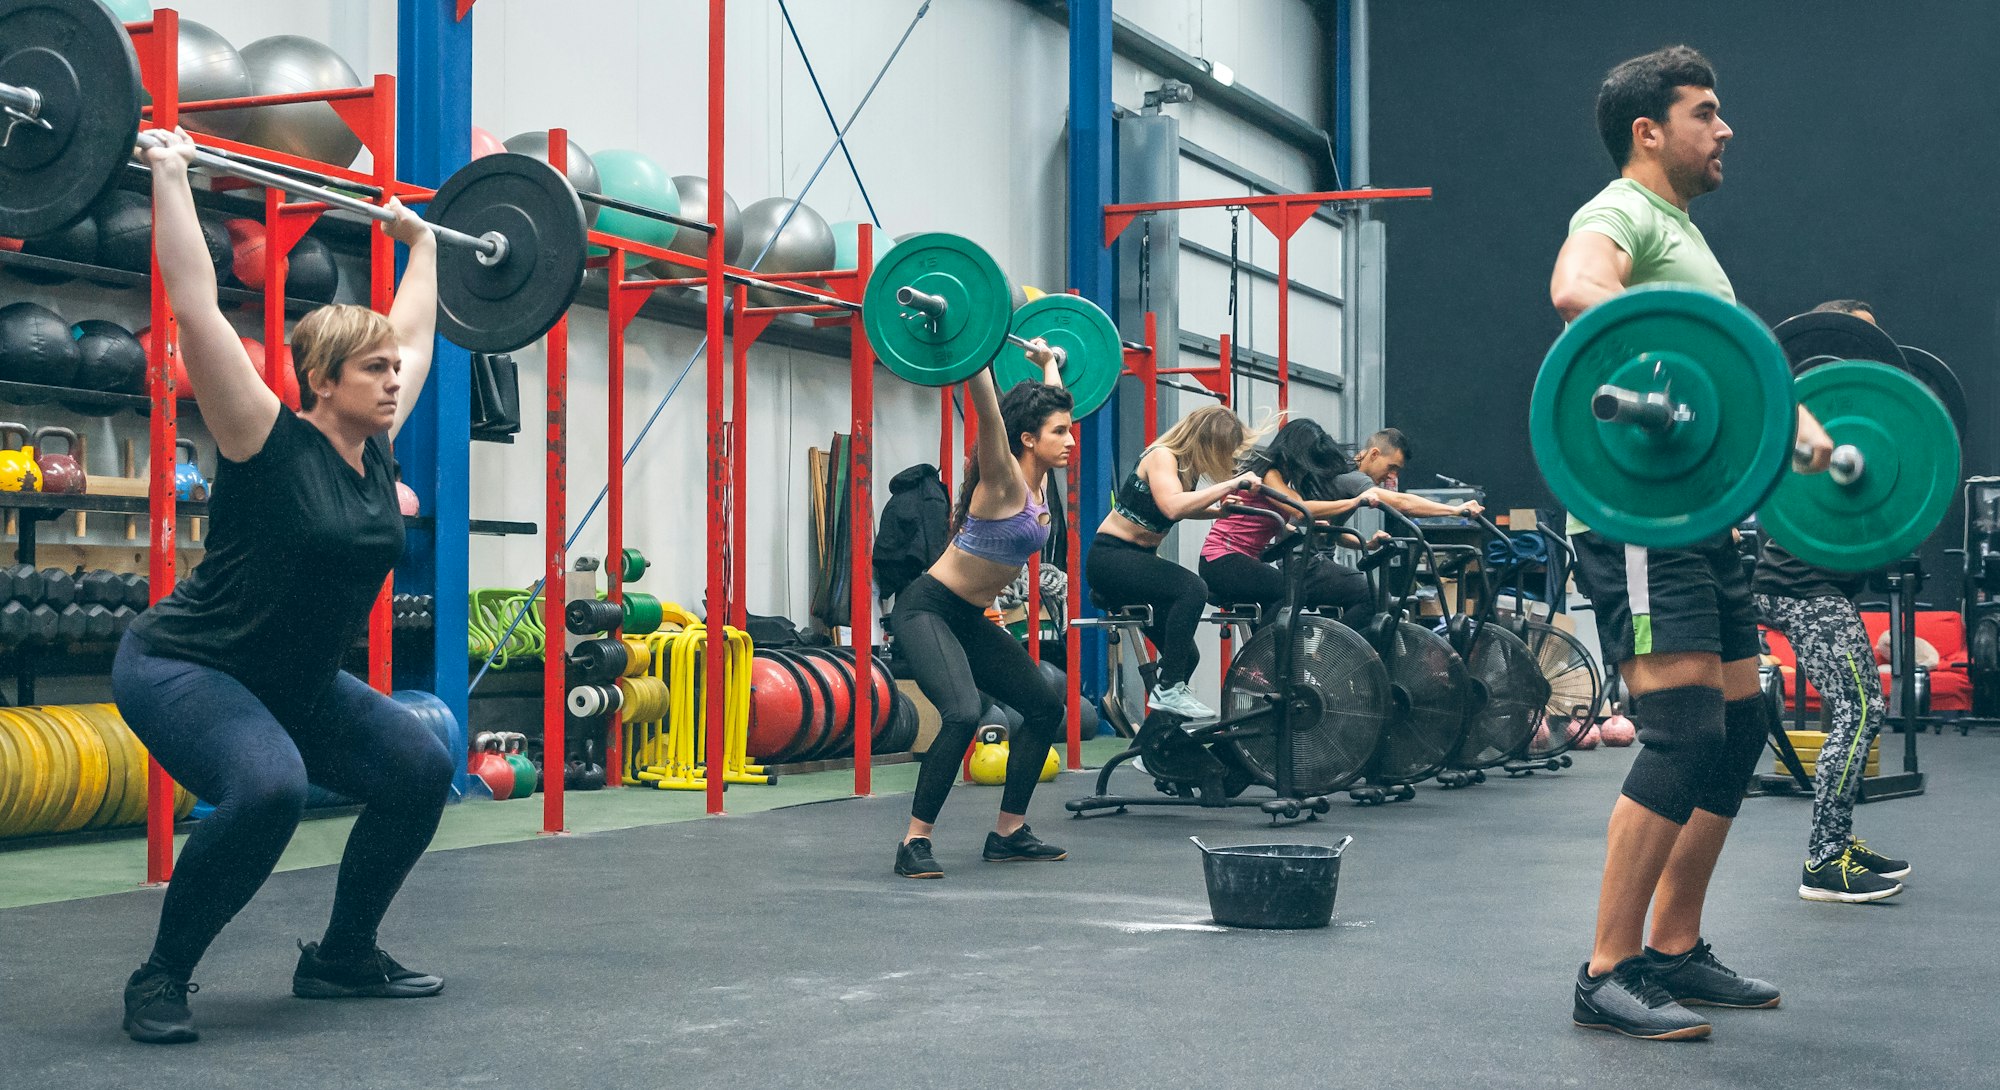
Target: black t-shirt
{"points": [[298, 549], [1782, 575], [1349, 485]]}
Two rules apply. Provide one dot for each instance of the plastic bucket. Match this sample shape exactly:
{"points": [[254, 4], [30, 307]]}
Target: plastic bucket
{"points": [[1283, 886]]}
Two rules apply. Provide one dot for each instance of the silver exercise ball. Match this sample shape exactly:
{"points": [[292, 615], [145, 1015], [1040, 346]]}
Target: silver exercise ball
{"points": [[288, 64], [582, 172], [211, 69], [806, 244], [694, 205]]}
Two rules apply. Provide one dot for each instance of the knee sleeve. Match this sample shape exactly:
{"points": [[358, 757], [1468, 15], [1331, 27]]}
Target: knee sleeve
{"points": [[1680, 732], [1745, 727]]}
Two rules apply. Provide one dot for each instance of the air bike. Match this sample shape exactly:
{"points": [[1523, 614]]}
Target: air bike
{"points": [[1305, 705]]}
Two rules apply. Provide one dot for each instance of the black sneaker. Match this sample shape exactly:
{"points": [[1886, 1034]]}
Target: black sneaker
{"points": [[913, 859], [156, 1008], [1628, 1000], [1696, 979], [1020, 846], [1844, 880], [374, 975], [1868, 859]]}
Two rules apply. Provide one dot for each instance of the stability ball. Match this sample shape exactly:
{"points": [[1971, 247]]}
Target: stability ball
{"points": [[847, 244], [35, 346], [633, 176], [582, 170], [132, 11], [109, 358], [485, 143], [211, 68], [289, 64], [693, 191], [805, 244]]}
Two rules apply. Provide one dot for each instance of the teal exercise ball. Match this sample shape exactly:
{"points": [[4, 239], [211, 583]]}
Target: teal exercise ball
{"points": [[633, 176]]}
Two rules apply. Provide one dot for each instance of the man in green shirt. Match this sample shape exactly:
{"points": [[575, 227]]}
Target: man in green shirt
{"points": [[1678, 623]]}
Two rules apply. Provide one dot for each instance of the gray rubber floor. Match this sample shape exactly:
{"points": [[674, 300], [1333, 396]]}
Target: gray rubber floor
{"points": [[777, 950]]}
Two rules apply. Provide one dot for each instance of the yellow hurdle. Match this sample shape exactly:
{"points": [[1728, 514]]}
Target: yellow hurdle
{"points": [[670, 753]]}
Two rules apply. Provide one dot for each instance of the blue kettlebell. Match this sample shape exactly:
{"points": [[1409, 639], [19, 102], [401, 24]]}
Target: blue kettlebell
{"points": [[189, 484]]}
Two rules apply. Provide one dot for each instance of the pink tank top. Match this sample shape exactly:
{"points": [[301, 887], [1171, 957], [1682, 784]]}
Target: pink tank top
{"points": [[1248, 535]]}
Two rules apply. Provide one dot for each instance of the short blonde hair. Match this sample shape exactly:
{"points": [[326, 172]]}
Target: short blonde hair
{"points": [[327, 338]]}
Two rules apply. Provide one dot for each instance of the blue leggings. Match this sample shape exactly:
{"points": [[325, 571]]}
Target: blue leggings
{"points": [[252, 759]]}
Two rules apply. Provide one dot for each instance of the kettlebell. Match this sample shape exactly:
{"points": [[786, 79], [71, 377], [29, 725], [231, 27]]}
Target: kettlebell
{"points": [[18, 471], [189, 484], [60, 472], [1050, 766], [491, 768], [989, 756], [526, 778]]}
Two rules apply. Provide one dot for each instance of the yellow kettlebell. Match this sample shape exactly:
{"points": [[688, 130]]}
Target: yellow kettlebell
{"points": [[18, 471], [989, 756], [1050, 766]]}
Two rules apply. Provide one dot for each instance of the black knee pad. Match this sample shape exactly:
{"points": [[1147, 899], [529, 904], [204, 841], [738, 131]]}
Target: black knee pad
{"points": [[1746, 724], [1679, 731]]}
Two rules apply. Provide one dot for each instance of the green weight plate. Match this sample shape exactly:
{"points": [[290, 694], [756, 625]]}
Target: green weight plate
{"points": [[1094, 356], [978, 308], [512, 302], [635, 565], [1696, 479], [1910, 473], [642, 613], [77, 56]]}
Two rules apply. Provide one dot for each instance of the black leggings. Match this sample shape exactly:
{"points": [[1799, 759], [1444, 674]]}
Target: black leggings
{"points": [[954, 654], [230, 747], [1125, 574], [1234, 579]]}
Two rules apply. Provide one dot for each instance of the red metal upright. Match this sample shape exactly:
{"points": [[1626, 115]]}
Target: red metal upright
{"points": [[718, 479], [621, 306], [861, 515], [159, 56], [556, 531]]}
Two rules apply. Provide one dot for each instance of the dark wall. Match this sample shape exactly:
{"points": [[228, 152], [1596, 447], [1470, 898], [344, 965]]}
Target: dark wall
{"points": [[1864, 164]]}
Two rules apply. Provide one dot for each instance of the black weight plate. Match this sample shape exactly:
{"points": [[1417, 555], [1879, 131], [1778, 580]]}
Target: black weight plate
{"points": [[1824, 336], [511, 303], [76, 54], [1942, 381]]}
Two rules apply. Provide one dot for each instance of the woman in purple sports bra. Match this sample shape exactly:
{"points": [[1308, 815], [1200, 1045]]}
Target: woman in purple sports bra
{"points": [[954, 652]]}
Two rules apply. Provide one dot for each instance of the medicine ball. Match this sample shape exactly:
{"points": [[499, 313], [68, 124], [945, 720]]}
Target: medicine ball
{"points": [[75, 241], [216, 236], [310, 272], [109, 358], [124, 231], [35, 346], [246, 249]]}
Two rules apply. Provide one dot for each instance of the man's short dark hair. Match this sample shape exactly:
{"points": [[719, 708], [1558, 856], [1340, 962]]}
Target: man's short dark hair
{"points": [[1843, 306], [1393, 439], [1645, 87]]}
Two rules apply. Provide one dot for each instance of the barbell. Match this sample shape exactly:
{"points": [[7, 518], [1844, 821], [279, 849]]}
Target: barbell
{"points": [[513, 239], [1664, 416]]}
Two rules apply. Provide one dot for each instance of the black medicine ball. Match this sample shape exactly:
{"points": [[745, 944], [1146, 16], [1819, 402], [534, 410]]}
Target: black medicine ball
{"points": [[35, 346]]}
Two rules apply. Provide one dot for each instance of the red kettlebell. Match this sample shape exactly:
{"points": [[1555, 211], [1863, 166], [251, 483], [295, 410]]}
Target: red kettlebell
{"points": [[60, 472], [406, 499], [492, 768], [1618, 732]]}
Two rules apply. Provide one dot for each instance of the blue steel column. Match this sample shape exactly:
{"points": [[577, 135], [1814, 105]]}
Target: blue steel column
{"points": [[434, 138], [1092, 163]]}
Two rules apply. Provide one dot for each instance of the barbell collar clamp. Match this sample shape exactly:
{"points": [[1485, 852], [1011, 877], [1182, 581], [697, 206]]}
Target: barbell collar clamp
{"points": [[1653, 411]]}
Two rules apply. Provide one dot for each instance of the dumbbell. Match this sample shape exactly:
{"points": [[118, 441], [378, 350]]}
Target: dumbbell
{"points": [[13, 624], [22, 583], [138, 590], [58, 587], [98, 623], [44, 624], [101, 586], [122, 618]]}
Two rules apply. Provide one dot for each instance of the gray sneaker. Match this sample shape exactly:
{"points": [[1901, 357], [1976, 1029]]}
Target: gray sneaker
{"points": [[1179, 699], [1628, 1000], [1696, 978]]}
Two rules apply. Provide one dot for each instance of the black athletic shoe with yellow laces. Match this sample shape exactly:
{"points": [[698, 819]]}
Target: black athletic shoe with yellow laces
{"points": [[1869, 859], [1843, 880]]}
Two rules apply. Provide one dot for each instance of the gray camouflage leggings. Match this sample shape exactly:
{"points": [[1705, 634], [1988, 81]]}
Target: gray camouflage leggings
{"points": [[1835, 655]]}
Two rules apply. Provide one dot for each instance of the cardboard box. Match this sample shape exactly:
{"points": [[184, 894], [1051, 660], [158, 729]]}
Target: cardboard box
{"points": [[1521, 518], [928, 720]]}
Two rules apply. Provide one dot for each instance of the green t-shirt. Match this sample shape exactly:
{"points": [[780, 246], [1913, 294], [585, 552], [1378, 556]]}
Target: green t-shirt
{"points": [[1665, 245]]}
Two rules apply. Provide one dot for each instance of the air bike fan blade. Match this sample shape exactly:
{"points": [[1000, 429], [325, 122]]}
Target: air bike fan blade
{"points": [[1338, 687]]}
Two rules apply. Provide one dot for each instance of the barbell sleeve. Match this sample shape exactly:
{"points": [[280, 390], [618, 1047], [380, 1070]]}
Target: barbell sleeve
{"points": [[1845, 468], [1615, 403], [25, 101], [492, 248]]}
